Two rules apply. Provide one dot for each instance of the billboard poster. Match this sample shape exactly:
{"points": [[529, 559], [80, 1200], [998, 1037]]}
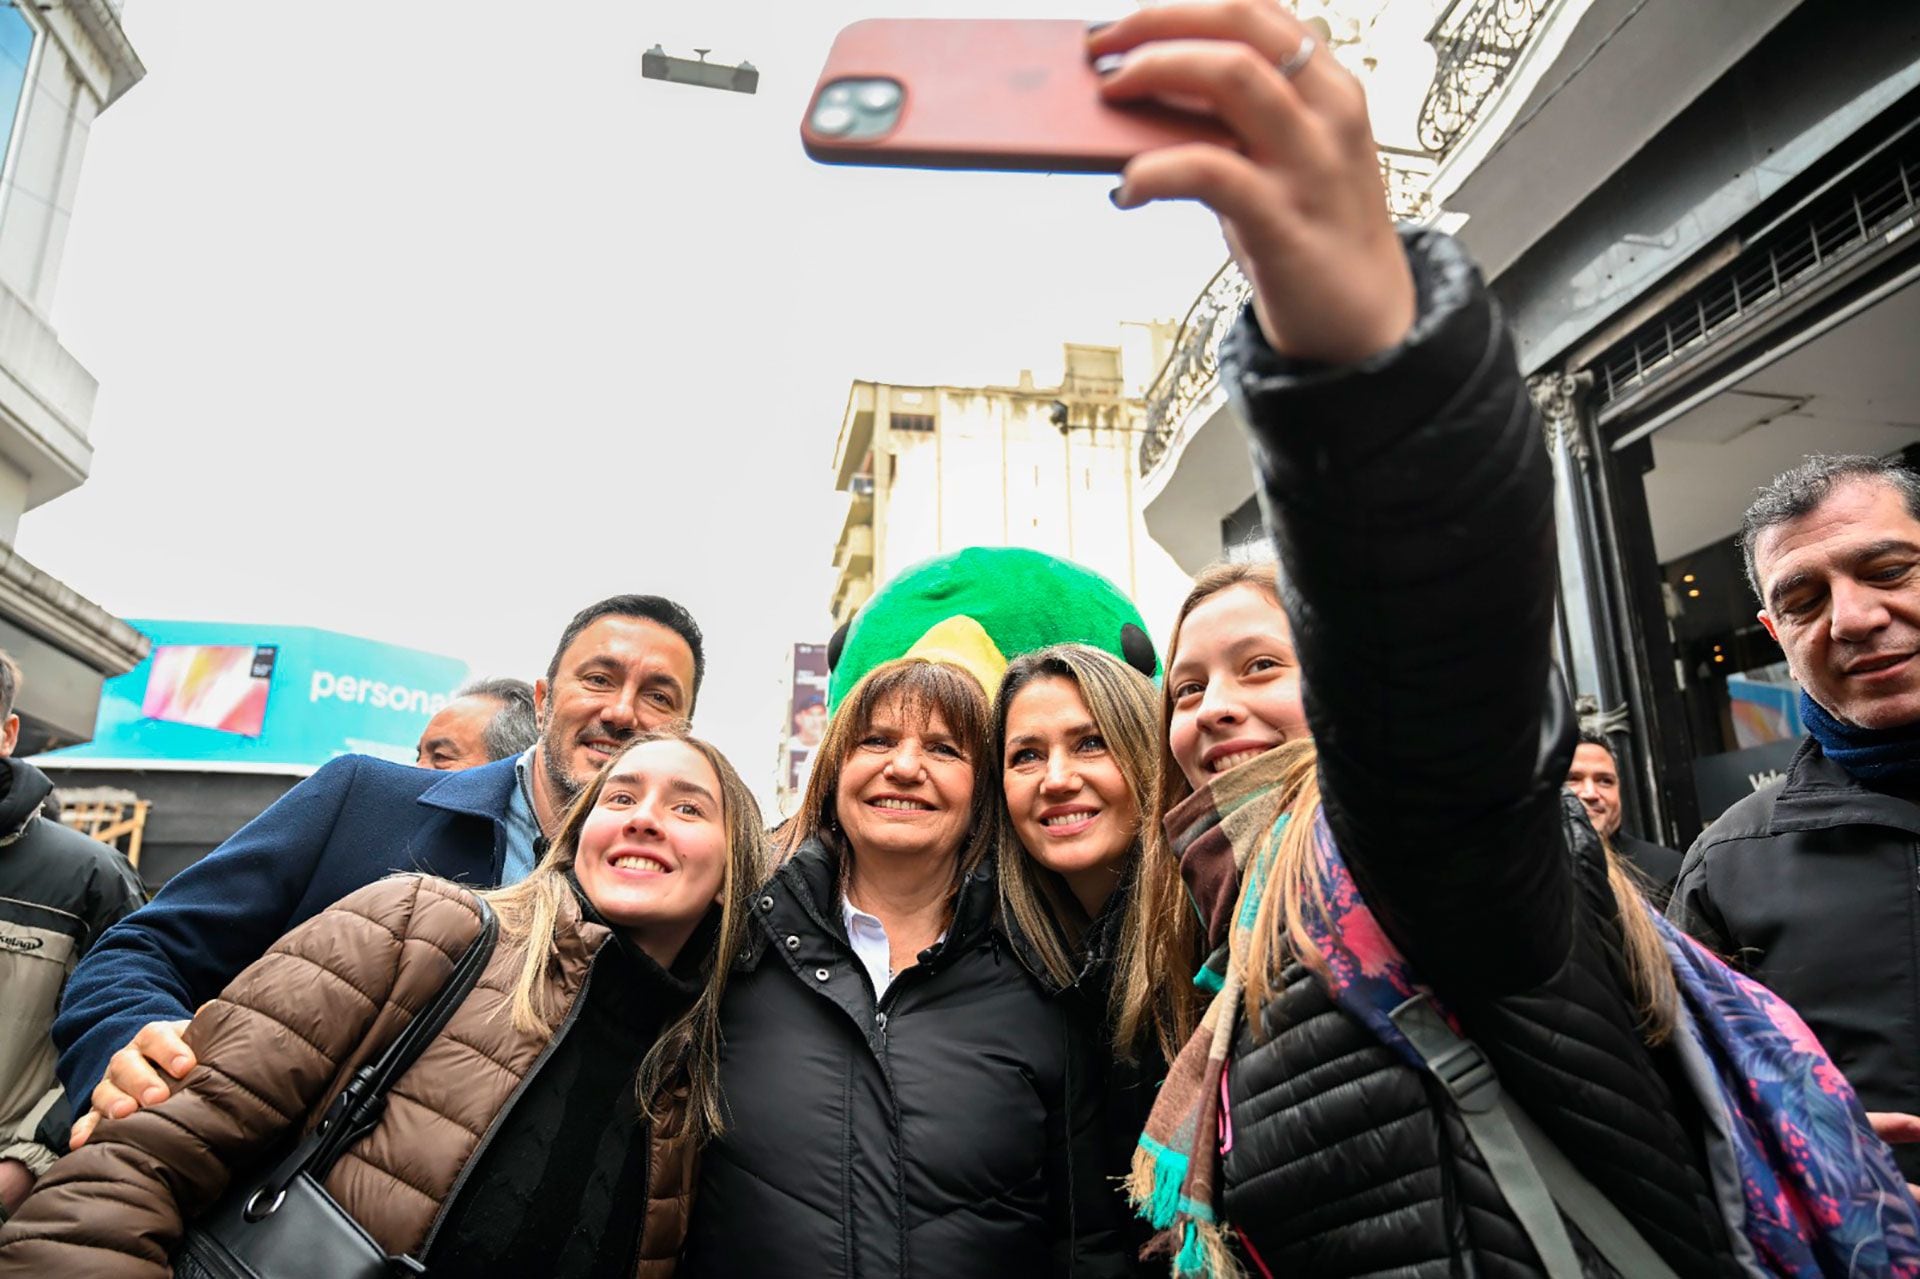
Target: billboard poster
{"points": [[279, 698], [806, 713], [221, 686]]}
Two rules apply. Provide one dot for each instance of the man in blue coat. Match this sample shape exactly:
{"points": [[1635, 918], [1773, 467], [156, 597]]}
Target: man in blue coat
{"points": [[623, 665]]}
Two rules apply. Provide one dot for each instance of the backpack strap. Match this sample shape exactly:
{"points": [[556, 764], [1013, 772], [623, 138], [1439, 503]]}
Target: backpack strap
{"points": [[1538, 1182]]}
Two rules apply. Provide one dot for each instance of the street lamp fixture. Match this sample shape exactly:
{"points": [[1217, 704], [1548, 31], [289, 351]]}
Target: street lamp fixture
{"points": [[657, 64]]}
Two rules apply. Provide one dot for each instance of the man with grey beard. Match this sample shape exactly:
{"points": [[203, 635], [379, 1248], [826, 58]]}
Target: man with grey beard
{"points": [[623, 665]]}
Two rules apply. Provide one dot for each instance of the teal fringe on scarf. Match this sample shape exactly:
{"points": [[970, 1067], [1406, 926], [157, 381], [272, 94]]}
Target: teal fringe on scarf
{"points": [[1193, 1258], [1169, 1174]]}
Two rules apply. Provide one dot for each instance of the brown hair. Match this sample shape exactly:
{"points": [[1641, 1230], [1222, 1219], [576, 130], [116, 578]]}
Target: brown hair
{"points": [[1279, 929], [688, 1050], [1121, 700], [918, 689]]}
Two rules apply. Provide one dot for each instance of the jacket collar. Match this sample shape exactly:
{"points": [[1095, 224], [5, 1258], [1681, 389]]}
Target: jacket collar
{"points": [[804, 896], [684, 979], [23, 788], [1819, 795], [1095, 952], [482, 792]]}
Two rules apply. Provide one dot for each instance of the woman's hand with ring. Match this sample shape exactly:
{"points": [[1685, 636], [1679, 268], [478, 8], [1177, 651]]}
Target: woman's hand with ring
{"points": [[1301, 201]]}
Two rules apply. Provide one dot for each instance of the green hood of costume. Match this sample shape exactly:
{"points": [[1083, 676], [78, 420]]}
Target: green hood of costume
{"points": [[982, 607]]}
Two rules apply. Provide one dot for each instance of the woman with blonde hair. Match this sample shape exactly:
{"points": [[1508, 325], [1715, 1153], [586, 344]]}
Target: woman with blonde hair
{"points": [[903, 1097], [1444, 1036], [1092, 896], [552, 1124], [1076, 731]]}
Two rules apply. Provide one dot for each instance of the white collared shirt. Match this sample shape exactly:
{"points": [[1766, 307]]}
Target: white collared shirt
{"points": [[870, 944]]}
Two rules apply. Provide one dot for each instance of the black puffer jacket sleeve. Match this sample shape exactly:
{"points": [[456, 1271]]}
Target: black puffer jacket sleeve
{"points": [[1411, 501]]}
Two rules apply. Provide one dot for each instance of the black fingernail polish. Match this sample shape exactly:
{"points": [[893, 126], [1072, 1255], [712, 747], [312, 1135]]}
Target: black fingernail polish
{"points": [[1118, 197], [1095, 28], [1109, 63]]}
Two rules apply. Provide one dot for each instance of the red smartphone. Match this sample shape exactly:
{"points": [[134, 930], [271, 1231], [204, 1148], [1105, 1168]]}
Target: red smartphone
{"points": [[1012, 94]]}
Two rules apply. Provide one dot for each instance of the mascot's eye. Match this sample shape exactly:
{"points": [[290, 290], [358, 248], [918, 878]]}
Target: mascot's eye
{"points": [[1134, 646], [839, 642]]}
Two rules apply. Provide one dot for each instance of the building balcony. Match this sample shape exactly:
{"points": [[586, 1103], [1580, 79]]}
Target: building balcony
{"points": [[855, 442], [46, 402], [1535, 103], [854, 554], [850, 591]]}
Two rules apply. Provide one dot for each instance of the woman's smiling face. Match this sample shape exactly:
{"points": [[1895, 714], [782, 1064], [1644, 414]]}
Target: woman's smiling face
{"points": [[906, 787], [652, 856], [1234, 683], [1069, 802]]}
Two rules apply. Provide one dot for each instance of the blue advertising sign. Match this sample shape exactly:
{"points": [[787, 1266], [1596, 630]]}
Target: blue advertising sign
{"points": [[278, 697]]}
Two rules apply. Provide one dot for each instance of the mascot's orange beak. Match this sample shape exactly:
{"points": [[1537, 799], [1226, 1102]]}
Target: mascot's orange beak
{"points": [[961, 641]]}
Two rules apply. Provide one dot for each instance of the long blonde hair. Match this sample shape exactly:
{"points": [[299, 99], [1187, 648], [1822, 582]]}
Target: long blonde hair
{"points": [[1121, 701], [687, 1052], [1293, 886], [918, 688]]}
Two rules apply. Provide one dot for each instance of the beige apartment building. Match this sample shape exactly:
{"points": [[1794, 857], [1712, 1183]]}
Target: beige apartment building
{"points": [[932, 469]]}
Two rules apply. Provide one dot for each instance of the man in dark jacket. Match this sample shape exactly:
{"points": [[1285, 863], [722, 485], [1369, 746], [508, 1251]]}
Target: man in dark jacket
{"points": [[623, 665], [1594, 778], [59, 891], [1813, 883]]}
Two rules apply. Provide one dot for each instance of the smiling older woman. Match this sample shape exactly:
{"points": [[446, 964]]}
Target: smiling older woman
{"points": [[903, 1097]]}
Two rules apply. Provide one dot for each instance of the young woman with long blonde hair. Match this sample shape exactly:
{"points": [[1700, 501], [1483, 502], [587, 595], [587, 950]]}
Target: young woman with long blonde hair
{"points": [[1363, 767], [551, 1127]]}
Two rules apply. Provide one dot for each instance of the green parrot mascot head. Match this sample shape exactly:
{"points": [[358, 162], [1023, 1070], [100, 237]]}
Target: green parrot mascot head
{"points": [[982, 607]]}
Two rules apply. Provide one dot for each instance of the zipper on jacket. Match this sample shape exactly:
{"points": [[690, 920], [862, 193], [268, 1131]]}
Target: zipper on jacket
{"points": [[885, 1055], [513, 1098]]}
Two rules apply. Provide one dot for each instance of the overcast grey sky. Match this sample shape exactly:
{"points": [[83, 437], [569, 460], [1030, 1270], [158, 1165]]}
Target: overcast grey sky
{"points": [[433, 321]]}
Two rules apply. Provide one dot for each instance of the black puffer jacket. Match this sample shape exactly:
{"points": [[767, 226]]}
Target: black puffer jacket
{"points": [[1411, 501], [947, 1133], [1813, 886], [1124, 1087]]}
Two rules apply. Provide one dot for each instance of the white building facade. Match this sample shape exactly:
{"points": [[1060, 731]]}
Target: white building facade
{"points": [[60, 66], [933, 469]]}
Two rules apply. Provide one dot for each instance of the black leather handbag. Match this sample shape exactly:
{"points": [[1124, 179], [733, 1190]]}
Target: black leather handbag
{"points": [[285, 1225]]}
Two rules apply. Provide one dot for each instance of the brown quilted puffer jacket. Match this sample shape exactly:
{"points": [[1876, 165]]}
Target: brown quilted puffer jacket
{"points": [[276, 1047]]}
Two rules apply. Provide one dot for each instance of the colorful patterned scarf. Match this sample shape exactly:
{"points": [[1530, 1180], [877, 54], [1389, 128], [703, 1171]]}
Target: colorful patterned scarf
{"points": [[1223, 835], [1820, 1192]]}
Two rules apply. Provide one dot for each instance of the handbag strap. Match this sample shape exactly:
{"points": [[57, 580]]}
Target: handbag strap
{"points": [[1535, 1177], [357, 1110]]}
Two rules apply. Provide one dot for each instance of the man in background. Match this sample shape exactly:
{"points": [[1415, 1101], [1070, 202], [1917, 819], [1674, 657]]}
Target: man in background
{"points": [[59, 891], [1809, 882], [1594, 777], [489, 719]]}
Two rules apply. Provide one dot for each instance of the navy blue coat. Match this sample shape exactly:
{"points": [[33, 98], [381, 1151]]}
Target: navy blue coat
{"points": [[355, 821]]}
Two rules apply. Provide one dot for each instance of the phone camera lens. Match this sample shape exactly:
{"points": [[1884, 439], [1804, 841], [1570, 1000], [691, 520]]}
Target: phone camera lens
{"points": [[832, 120], [880, 96], [838, 95]]}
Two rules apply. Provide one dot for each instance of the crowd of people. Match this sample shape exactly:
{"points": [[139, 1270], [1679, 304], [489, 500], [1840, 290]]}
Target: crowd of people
{"points": [[1324, 954]]}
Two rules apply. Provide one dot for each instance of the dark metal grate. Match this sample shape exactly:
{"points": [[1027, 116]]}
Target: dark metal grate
{"points": [[1870, 205]]}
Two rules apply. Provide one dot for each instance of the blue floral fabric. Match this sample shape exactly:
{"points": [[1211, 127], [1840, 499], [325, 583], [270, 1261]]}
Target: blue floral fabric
{"points": [[1821, 1192]]}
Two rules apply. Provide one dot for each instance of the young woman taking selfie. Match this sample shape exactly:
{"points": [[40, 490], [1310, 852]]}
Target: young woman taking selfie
{"points": [[1362, 782], [552, 1125]]}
